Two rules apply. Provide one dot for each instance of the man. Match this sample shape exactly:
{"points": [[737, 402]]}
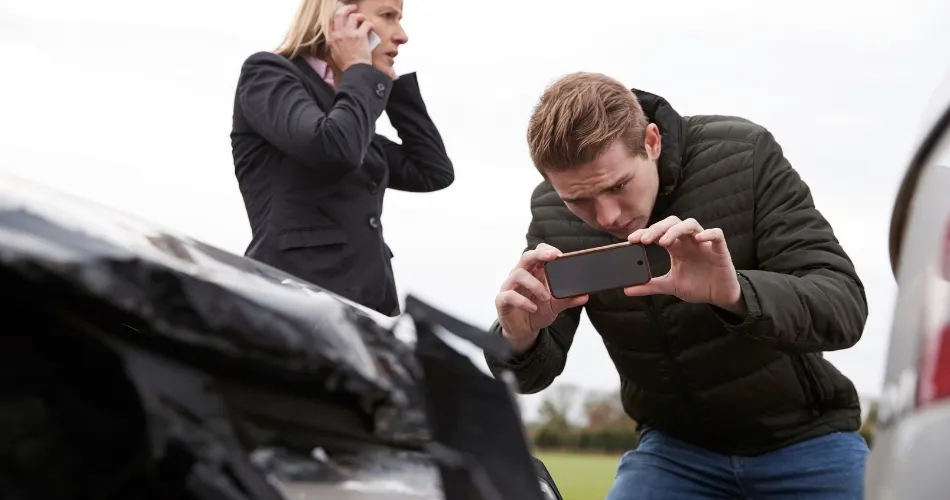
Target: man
{"points": [[720, 355]]}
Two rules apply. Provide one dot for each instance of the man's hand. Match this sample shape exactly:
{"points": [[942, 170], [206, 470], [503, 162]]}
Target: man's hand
{"points": [[524, 304], [701, 269]]}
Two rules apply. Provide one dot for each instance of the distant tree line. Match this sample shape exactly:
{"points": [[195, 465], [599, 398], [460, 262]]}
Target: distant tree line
{"points": [[602, 426], [869, 424]]}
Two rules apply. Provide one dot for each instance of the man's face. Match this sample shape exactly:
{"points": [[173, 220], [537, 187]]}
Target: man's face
{"points": [[616, 191]]}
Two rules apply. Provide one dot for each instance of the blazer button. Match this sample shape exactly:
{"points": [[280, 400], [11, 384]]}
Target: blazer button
{"points": [[380, 89], [374, 222], [373, 187]]}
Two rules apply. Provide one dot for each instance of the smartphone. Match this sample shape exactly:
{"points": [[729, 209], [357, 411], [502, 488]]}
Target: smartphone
{"points": [[597, 269], [374, 39]]}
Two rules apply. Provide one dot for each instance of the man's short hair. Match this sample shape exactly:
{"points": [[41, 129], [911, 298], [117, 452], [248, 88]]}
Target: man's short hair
{"points": [[579, 117]]}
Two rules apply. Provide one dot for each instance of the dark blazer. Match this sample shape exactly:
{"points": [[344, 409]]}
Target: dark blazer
{"points": [[313, 171]]}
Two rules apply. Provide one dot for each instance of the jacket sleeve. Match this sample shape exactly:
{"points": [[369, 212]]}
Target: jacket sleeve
{"points": [[278, 106], [420, 163], [805, 295], [536, 368]]}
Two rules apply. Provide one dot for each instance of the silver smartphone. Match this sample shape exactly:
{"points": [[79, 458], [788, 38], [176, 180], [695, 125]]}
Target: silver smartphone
{"points": [[373, 41], [373, 37]]}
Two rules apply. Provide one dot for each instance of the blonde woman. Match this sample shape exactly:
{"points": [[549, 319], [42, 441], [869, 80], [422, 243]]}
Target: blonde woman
{"points": [[309, 163]]}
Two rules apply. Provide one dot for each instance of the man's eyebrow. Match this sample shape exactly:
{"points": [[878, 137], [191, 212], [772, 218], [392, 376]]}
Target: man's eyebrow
{"points": [[623, 180]]}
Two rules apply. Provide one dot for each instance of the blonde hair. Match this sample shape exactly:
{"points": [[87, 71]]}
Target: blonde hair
{"points": [[581, 115], [308, 31]]}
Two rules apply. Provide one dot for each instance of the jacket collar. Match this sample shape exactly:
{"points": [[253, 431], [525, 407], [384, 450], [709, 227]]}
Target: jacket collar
{"points": [[673, 133], [323, 92]]}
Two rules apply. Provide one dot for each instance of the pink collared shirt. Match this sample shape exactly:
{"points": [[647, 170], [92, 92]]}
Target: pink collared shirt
{"points": [[322, 69]]}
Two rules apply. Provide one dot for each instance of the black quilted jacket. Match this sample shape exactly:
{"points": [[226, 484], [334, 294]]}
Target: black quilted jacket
{"points": [[737, 387]]}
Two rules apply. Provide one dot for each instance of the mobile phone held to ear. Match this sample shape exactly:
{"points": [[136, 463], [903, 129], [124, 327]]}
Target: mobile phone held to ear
{"points": [[597, 269], [374, 39]]}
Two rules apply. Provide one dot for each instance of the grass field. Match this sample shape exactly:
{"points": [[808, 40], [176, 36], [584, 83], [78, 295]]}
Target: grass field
{"points": [[581, 476]]}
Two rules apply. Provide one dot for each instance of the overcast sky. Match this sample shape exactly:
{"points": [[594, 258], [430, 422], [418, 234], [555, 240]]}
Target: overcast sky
{"points": [[130, 104]]}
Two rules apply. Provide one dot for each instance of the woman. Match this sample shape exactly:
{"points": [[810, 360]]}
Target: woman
{"points": [[311, 168]]}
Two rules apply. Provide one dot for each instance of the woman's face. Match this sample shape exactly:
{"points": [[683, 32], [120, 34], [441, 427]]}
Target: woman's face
{"points": [[386, 16]]}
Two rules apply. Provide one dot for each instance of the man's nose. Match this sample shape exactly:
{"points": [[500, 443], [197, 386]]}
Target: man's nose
{"points": [[607, 214]]}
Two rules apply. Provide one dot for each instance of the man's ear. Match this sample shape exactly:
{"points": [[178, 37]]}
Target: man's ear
{"points": [[652, 142]]}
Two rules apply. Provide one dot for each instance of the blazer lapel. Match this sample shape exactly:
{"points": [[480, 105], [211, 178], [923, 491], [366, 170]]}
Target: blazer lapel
{"points": [[375, 166], [320, 89]]}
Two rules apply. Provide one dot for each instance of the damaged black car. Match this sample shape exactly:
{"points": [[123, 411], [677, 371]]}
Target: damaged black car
{"points": [[138, 363]]}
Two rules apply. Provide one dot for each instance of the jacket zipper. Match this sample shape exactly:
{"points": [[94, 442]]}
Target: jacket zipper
{"points": [[659, 208], [671, 359], [815, 390]]}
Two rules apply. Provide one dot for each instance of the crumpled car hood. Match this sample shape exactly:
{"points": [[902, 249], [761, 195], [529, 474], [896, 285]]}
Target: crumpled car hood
{"points": [[196, 298], [255, 385]]}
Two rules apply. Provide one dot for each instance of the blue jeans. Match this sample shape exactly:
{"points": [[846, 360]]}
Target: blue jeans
{"points": [[826, 467]]}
